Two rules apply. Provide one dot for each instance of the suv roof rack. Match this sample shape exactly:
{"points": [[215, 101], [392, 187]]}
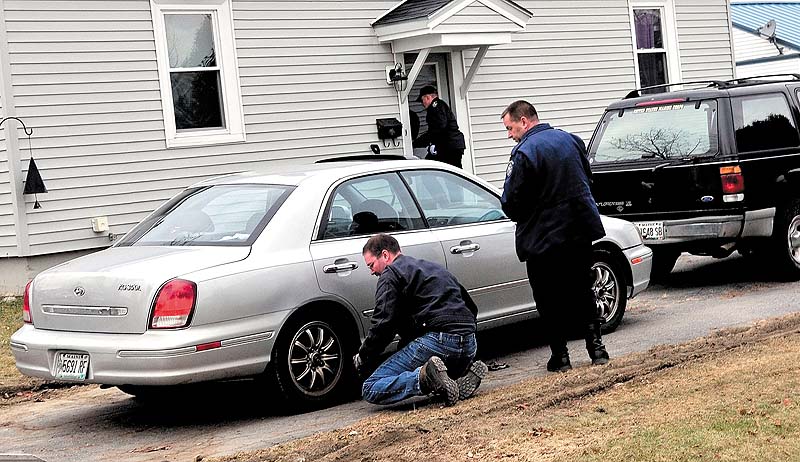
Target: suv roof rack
{"points": [[719, 83], [709, 83], [359, 157]]}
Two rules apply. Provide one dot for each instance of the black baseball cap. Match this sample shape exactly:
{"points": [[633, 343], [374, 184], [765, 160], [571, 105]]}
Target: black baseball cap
{"points": [[427, 90]]}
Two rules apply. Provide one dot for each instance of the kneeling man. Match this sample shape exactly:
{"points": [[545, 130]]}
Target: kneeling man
{"points": [[435, 318]]}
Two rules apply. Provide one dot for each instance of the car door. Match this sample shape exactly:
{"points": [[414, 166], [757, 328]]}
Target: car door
{"points": [[477, 239], [356, 209]]}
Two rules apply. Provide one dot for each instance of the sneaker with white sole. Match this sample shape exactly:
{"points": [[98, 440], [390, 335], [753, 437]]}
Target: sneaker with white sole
{"points": [[469, 382]]}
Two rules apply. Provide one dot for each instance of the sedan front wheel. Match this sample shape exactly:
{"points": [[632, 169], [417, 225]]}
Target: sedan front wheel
{"points": [[610, 289]]}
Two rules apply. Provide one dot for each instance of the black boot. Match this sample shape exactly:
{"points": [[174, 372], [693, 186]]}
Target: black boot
{"points": [[433, 378], [559, 359], [594, 345]]}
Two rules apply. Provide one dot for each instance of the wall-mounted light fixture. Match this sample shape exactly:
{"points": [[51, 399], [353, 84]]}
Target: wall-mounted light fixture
{"points": [[33, 182], [396, 76]]}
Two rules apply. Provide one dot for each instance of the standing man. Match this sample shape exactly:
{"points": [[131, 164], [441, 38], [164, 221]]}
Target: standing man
{"points": [[435, 318], [443, 133], [547, 194]]}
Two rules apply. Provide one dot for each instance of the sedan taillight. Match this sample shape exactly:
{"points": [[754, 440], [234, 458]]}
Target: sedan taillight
{"points": [[26, 304], [174, 304]]}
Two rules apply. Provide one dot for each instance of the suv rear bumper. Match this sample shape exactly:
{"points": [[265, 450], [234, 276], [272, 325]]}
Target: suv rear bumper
{"points": [[721, 229]]}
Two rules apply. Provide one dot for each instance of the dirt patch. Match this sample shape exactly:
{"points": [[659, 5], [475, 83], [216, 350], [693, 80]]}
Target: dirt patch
{"points": [[728, 396]]}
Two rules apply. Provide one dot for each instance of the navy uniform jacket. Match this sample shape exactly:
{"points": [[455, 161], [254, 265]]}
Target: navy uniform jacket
{"points": [[415, 297], [547, 192], [443, 129]]}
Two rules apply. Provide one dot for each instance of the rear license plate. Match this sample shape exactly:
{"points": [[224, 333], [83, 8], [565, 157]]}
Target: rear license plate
{"points": [[653, 230], [71, 366]]}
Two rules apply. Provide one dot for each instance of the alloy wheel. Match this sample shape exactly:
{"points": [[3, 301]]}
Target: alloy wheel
{"points": [[315, 358], [606, 290], [793, 240]]}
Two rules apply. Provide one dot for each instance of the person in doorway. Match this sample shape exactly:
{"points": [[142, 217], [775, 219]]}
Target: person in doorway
{"points": [[547, 193], [435, 318], [444, 140]]}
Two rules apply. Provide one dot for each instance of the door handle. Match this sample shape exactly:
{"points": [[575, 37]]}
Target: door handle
{"points": [[340, 267], [458, 249]]}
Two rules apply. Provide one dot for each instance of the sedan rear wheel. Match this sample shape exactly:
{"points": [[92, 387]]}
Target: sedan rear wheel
{"points": [[609, 289], [312, 361]]}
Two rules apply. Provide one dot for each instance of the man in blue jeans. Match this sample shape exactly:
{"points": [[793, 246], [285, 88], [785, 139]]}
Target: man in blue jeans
{"points": [[435, 318]]}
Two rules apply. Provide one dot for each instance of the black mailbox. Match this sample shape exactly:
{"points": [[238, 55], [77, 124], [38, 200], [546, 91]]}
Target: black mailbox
{"points": [[389, 129]]}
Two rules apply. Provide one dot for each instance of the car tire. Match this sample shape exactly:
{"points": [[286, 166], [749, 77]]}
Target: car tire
{"points": [[663, 263], [312, 361], [610, 289], [786, 241]]}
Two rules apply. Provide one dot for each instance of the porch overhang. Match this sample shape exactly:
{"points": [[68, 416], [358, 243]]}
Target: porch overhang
{"points": [[423, 26]]}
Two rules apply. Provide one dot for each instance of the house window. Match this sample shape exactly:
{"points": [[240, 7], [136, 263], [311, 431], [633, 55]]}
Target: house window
{"points": [[655, 45], [198, 72]]}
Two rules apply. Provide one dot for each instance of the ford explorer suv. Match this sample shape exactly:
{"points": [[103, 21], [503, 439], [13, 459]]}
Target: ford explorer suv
{"points": [[709, 169]]}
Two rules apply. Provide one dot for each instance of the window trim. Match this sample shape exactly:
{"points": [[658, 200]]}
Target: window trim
{"points": [[227, 61], [669, 39]]}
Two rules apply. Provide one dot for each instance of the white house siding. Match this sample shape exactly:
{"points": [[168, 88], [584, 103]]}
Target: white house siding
{"points": [[751, 46], [576, 57], [789, 65], [704, 39], [85, 77]]}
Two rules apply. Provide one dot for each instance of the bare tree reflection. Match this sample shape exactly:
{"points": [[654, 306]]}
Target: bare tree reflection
{"points": [[661, 143]]}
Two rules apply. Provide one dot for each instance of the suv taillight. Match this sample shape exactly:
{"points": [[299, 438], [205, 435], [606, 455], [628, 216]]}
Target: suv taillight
{"points": [[174, 304], [732, 179], [26, 304]]}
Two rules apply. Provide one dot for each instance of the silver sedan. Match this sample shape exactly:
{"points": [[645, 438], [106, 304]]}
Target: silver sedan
{"points": [[262, 275]]}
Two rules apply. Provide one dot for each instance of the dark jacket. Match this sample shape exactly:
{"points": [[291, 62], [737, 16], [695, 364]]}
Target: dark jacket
{"points": [[443, 129], [547, 192], [415, 297]]}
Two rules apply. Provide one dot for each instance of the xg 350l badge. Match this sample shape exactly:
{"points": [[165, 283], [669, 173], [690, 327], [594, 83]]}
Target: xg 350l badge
{"points": [[130, 287]]}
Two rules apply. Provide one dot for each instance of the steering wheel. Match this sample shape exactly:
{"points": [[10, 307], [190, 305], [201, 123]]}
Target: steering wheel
{"points": [[493, 214]]}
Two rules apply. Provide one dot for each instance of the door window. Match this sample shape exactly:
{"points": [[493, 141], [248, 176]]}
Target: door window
{"points": [[448, 199], [368, 205], [763, 122]]}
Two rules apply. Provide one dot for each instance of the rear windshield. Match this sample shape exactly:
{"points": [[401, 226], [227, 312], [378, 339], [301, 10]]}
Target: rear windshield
{"points": [[668, 131], [215, 215]]}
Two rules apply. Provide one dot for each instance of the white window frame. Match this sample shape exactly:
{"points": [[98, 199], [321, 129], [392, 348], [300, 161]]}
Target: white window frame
{"points": [[225, 48], [670, 37]]}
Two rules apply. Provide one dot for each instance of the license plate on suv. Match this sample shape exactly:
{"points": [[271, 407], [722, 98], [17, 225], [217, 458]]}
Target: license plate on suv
{"points": [[71, 366], [652, 230]]}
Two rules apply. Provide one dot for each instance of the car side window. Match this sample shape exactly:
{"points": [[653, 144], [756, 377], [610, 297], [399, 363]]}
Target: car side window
{"points": [[448, 199], [371, 204], [763, 122]]}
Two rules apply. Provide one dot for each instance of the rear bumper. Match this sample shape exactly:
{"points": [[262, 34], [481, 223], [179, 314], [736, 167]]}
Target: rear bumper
{"points": [[154, 357], [754, 223], [640, 271]]}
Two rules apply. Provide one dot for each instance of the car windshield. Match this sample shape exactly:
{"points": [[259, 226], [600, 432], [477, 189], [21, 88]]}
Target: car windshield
{"points": [[662, 131], [215, 215]]}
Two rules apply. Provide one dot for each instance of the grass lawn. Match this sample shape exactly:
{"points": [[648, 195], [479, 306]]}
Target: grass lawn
{"points": [[10, 320]]}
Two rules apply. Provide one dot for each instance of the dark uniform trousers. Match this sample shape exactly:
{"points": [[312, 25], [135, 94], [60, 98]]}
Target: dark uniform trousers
{"points": [[563, 297]]}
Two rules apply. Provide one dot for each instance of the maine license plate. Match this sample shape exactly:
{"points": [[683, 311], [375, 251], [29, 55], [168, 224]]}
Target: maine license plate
{"points": [[71, 366], [653, 230]]}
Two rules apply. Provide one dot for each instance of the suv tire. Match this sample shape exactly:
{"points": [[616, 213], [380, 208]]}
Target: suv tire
{"points": [[663, 262], [786, 241]]}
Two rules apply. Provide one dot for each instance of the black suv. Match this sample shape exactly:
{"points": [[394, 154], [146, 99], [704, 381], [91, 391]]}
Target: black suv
{"points": [[706, 170]]}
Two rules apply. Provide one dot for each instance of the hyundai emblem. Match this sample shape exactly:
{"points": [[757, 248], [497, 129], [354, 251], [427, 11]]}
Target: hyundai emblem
{"points": [[80, 291]]}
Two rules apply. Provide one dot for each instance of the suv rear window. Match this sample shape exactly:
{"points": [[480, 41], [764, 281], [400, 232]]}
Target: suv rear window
{"points": [[666, 131]]}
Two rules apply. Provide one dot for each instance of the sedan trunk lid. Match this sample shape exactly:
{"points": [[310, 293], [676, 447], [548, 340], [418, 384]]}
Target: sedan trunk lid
{"points": [[112, 291]]}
